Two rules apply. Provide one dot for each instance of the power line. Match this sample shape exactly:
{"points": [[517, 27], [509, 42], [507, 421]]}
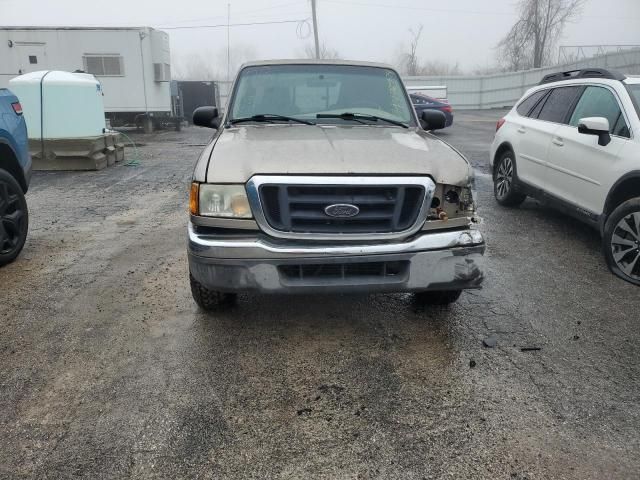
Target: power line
{"points": [[244, 12], [221, 25], [448, 10], [427, 9]]}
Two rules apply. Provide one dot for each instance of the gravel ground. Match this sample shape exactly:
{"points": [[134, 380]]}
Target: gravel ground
{"points": [[108, 369]]}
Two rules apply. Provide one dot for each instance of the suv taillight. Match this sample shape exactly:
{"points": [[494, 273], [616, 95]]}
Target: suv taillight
{"points": [[17, 108], [500, 123]]}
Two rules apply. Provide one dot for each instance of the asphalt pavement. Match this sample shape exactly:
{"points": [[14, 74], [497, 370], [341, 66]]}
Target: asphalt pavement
{"points": [[109, 370]]}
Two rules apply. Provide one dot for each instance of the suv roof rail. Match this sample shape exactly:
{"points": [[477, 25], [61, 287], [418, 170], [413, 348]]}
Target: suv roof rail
{"points": [[584, 73]]}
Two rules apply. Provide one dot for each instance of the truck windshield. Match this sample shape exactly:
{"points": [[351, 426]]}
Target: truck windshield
{"points": [[305, 91]]}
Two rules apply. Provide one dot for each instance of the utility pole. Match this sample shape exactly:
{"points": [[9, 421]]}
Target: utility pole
{"points": [[228, 41], [315, 27]]}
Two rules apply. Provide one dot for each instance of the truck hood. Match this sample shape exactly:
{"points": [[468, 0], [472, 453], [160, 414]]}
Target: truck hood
{"points": [[243, 151]]}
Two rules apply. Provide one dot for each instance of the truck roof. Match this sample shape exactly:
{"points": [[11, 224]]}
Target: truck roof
{"points": [[307, 61]]}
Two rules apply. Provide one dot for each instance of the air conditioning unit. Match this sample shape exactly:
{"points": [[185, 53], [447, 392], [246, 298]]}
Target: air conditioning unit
{"points": [[161, 72]]}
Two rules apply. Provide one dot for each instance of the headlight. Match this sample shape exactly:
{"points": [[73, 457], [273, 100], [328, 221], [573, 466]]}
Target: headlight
{"points": [[467, 202], [450, 201], [227, 201]]}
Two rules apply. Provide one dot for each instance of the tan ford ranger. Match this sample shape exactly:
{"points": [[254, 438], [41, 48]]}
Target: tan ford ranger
{"points": [[321, 178]]}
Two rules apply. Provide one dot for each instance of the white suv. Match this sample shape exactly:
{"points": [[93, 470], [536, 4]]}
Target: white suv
{"points": [[574, 141]]}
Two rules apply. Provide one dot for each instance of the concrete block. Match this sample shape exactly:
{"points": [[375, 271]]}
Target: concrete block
{"points": [[69, 154]]}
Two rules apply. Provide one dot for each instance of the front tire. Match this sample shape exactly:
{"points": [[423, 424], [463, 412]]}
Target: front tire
{"points": [[14, 218], [210, 300], [505, 181], [444, 297], [621, 242]]}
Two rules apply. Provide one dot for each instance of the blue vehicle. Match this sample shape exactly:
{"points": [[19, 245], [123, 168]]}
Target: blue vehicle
{"points": [[15, 174], [423, 102]]}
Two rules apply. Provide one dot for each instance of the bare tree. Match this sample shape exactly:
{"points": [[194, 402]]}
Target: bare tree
{"points": [[410, 64], [325, 51], [411, 61], [194, 66], [532, 38], [437, 67], [210, 64]]}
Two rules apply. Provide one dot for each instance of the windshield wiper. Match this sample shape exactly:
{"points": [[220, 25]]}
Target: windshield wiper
{"points": [[269, 117], [358, 117]]}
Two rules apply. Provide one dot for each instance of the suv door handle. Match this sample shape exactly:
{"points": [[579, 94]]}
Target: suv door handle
{"points": [[557, 141], [522, 130]]}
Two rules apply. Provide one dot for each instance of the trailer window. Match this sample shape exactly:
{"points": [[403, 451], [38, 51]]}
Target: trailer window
{"points": [[104, 65]]}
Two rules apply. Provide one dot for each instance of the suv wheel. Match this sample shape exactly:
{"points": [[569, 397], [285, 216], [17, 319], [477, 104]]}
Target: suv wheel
{"points": [[622, 241], [14, 218], [444, 297], [504, 181], [210, 300]]}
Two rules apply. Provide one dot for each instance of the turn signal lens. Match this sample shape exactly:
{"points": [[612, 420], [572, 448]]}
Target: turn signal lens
{"points": [[194, 196]]}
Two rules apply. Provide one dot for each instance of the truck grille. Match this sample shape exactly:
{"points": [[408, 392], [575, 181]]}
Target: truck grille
{"points": [[301, 208], [343, 272]]}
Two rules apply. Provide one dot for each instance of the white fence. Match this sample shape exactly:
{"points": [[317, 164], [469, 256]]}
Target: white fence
{"points": [[504, 89]]}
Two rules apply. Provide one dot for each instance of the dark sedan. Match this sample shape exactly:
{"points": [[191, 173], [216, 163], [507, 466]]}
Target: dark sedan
{"points": [[422, 102]]}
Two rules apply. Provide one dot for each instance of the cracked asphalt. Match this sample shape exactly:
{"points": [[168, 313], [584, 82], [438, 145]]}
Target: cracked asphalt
{"points": [[108, 369]]}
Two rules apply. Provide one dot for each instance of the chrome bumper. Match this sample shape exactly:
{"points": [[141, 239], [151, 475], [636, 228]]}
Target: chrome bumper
{"points": [[436, 261]]}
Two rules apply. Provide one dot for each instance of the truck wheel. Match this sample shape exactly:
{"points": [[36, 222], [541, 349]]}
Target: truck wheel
{"points": [[210, 300], [621, 242], [504, 181], [444, 297], [14, 218]]}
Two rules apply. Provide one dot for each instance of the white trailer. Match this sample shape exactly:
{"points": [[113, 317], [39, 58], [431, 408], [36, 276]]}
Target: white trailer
{"points": [[132, 64]]}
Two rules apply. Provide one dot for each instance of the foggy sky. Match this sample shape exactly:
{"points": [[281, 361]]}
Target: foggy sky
{"points": [[462, 31]]}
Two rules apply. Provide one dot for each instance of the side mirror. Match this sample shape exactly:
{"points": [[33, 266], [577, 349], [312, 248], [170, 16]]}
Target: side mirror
{"points": [[598, 126], [206, 117], [433, 119]]}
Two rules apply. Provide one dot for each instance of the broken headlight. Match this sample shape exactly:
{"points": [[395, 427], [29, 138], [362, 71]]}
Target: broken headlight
{"points": [[450, 201]]}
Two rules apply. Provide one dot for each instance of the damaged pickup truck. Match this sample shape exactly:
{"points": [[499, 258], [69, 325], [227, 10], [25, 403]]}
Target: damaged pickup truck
{"points": [[321, 178]]}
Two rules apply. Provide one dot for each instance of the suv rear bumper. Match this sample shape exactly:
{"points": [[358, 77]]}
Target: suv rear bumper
{"points": [[430, 261]]}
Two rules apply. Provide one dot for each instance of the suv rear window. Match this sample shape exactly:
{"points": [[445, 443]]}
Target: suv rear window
{"points": [[528, 103], [635, 93], [557, 106]]}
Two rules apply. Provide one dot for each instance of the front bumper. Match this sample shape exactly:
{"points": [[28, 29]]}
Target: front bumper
{"points": [[254, 262]]}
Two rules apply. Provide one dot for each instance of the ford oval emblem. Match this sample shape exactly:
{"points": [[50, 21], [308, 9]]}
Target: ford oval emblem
{"points": [[342, 210]]}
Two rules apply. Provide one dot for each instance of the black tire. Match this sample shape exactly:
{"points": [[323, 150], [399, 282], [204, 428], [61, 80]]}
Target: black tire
{"points": [[505, 181], [210, 300], [14, 218], [621, 241], [443, 297]]}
